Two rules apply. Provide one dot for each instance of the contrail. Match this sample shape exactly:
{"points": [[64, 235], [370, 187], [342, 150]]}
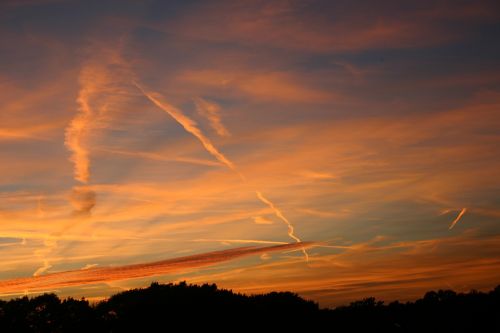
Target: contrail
{"points": [[83, 199], [282, 217], [191, 127], [462, 212], [93, 275], [242, 241], [50, 244], [100, 89], [93, 80], [46, 266], [158, 157], [76, 134]]}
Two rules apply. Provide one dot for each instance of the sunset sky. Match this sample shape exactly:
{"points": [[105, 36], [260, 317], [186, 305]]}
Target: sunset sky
{"points": [[205, 141]]}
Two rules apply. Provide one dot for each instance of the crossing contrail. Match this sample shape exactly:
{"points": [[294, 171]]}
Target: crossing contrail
{"points": [[191, 127]]}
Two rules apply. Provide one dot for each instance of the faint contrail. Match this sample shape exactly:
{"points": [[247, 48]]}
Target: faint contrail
{"points": [[242, 241], [82, 198], [50, 244], [211, 111], [90, 79], [462, 212], [158, 157], [191, 127], [45, 267]]}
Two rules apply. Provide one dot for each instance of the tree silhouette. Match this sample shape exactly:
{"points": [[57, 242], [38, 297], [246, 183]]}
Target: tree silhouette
{"points": [[183, 307]]}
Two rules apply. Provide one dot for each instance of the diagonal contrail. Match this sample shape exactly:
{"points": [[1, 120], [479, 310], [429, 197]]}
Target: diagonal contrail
{"points": [[92, 275], [191, 127], [462, 212]]}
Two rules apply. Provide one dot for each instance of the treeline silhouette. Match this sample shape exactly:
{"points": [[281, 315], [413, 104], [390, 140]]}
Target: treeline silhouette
{"points": [[182, 307]]}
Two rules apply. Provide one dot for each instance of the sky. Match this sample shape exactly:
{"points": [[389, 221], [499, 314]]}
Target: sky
{"points": [[337, 149]]}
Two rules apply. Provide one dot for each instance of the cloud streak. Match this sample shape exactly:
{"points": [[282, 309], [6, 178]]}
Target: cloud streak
{"points": [[104, 274]]}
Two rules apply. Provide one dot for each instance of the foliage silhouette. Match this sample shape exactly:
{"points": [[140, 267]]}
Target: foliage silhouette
{"points": [[183, 307]]}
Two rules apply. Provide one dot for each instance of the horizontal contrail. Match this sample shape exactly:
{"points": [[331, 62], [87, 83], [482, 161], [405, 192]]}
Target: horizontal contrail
{"points": [[242, 241], [105, 274], [158, 157], [462, 212]]}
